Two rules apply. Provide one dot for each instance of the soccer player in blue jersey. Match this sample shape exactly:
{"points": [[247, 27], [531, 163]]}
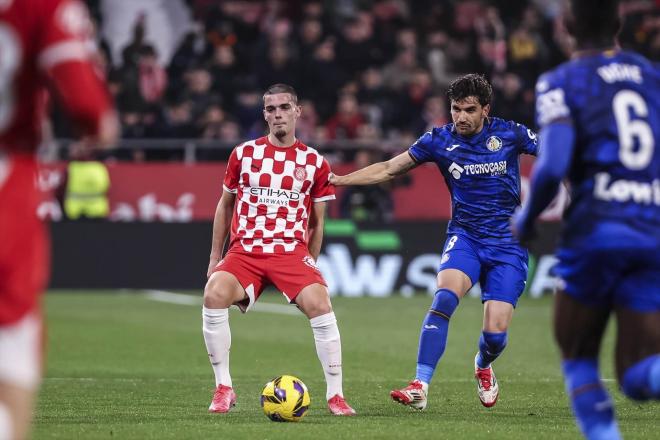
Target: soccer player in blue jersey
{"points": [[478, 157], [600, 119]]}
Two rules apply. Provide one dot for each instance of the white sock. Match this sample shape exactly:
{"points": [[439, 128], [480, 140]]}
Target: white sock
{"points": [[328, 348], [6, 429], [217, 337]]}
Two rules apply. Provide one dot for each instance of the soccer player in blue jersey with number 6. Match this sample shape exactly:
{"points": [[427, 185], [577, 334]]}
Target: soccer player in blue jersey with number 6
{"points": [[600, 119], [478, 157]]}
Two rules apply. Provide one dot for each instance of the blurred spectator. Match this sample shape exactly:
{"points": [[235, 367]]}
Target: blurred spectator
{"points": [[249, 112], [198, 90], [311, 34], [153, 78], [356, 48], [131, 53], [376, 100], [398, 73], [437, 60], [176, 120], [278, 67], [509, 100], [322, 78], [526, 48], [227, 76], [307, 122], [395, 57], [211, 121], [414, 97], [434, 114], [346, 122]]}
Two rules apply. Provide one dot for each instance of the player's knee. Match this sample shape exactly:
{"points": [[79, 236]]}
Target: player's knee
{"points": [[454, 280], [218, 294], [444, 303], [493, 342], [317, 307]]}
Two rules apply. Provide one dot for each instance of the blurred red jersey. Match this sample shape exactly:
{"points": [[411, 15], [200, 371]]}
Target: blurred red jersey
{"points": [[44, 44]]}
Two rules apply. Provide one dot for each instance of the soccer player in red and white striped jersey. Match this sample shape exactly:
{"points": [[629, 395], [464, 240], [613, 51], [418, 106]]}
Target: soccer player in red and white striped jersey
{"points": [[44, 45], [272, 209]]}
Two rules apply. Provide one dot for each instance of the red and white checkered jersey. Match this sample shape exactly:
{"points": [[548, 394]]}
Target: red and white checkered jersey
{"points": [[275, 188]]}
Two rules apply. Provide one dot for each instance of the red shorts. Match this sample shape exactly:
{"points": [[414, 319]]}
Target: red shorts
{"points": [[288, 272], [24, 258]]}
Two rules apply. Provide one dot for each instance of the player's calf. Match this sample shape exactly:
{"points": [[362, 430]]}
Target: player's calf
{"points": [[592, 406], [491, 345]]}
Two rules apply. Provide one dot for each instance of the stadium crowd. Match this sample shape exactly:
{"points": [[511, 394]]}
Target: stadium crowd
{"points": [[368, 71]]}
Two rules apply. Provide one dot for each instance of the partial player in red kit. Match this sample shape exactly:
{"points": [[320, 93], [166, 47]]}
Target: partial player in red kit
{"points": [[44, 45], [274, 197]]}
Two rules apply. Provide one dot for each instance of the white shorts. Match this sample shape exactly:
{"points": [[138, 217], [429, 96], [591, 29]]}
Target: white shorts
{"points": [[20, 352]]}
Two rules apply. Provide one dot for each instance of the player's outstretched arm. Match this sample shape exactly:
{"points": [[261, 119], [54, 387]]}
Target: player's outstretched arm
{"points": [[315, 229], [221, 222], [557, 141], [378, 172]]}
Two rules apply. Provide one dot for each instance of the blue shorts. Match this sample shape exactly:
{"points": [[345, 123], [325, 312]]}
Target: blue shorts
{"points": [[628, 278], [501, 268]]}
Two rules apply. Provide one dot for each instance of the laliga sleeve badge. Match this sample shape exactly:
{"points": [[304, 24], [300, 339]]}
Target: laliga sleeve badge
{"points": [[494, 143]]}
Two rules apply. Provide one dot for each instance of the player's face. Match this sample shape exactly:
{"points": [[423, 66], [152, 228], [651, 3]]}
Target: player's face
{"points": [[281, 113], [468, 115]]}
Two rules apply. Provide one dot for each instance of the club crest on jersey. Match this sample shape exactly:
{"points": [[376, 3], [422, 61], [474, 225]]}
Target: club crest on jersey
{"points": [[300, 173], [494, 143]]}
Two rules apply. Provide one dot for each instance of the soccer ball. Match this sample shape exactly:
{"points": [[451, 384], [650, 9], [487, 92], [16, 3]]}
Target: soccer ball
{"points": [[285, 399]]}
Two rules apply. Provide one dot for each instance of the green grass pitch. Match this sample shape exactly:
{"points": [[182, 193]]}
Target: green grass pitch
{"points": [[122, 366]]}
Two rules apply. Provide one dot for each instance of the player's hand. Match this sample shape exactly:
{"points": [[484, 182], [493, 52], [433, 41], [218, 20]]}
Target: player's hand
{"points": [[521, 228], [335, 179], [213, 262]]}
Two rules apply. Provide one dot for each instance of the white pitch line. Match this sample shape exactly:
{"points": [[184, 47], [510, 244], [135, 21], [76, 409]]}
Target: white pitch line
{"points": [[189, 300], [142, 379]]}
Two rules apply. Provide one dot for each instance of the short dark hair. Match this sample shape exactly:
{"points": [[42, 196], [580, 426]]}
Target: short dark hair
{"points": [[282, 88], [472, 84], [593, 23]]}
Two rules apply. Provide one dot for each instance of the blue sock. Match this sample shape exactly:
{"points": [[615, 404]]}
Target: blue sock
{"points": [[491, 345], [642, 380], [592, 405], [433, 339]]}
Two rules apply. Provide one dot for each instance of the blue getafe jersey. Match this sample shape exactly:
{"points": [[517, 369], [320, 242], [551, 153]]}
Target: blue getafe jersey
{"points": [[612, 99], [482, 173]]}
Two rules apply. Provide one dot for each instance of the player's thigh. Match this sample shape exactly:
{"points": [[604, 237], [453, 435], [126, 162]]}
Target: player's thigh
{"points": [[296, 274], [459, 266], [505, 273], [236, 279], [503, 283], [578, 328]]}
